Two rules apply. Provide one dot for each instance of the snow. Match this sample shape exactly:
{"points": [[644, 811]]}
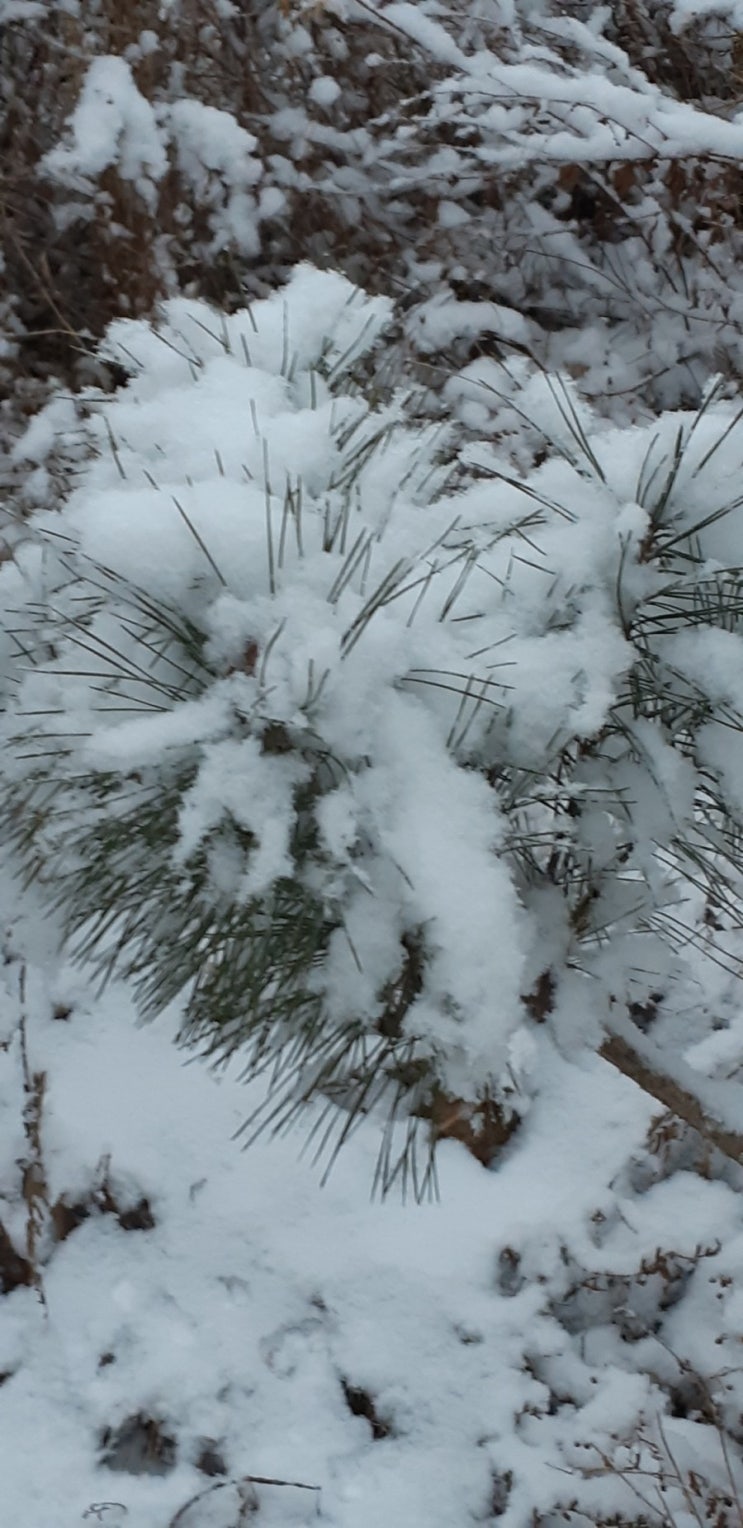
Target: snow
{"points": [[463, 897], [685, 11], [257, 1294], [215, 153], [324, 90], [371, 719], [257, 1291], [113, 123], [20, 10]]}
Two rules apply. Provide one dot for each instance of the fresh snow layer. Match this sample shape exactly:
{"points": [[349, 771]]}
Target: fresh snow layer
{"points": [[258, 1292], [259, 1302]]}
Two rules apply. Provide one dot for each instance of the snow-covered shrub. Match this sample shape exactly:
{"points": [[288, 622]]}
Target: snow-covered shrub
{"points": [[561, 177], [375, 752], [249, 604], [130, 168]]}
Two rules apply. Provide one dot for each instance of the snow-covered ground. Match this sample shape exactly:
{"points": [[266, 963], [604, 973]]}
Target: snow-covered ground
{"points": [[219, 1314], [252, 1311]]}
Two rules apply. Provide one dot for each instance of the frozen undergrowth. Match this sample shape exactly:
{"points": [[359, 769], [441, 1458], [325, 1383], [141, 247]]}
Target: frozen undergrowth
{"points": [[595, 149]]}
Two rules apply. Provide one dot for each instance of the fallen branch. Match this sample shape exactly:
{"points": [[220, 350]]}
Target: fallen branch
{"points": [[712, 1108]]}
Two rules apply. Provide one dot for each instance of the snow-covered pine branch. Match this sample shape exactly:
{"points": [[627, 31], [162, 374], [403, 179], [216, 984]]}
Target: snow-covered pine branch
{"points": [[353, 739]]}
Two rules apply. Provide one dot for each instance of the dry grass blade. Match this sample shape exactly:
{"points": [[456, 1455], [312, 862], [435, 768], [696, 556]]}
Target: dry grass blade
{"points": [[238, 1484]]}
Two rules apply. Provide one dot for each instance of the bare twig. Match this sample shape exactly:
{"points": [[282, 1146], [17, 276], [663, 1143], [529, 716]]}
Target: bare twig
{"points": [[237, 1484], [34, 1189]]}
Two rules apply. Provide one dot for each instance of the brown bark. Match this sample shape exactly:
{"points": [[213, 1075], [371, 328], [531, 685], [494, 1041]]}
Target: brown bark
{"points": [[649, 1075]]}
